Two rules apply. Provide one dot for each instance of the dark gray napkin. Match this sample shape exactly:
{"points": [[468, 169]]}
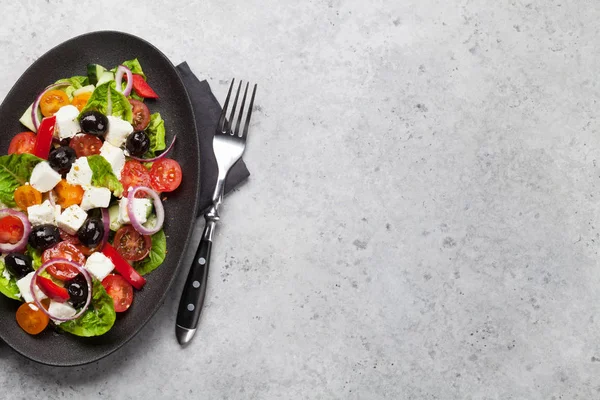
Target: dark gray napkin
{"points": [[207, 111]]}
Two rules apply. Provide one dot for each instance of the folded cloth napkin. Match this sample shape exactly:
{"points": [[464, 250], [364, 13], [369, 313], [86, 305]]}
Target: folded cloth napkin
{"points": [[207, 111]]}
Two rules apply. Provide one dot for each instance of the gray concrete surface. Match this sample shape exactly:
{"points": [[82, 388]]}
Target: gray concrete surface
{"points": [[422, 218]]}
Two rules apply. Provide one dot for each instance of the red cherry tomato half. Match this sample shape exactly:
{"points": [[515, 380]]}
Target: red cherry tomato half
{"points": [[23, 142], [85, 145], [74, 240], [120, 290], [141, 115], [165, 175], [134, 174], [65, 250], [11, 229], [132, 245]]}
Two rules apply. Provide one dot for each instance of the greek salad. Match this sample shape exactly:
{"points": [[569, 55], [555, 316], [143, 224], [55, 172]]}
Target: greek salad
{"points": [[81, 216]]}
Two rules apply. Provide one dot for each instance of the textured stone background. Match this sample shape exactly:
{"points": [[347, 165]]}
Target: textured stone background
{"points": [[422, 218]]}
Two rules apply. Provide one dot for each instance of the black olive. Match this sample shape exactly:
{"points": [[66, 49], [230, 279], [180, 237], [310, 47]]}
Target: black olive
{"points": [[61, 159], [138, 143], [18, 265], [93, 122], [91, 232], [78, 290], [44, 236]]}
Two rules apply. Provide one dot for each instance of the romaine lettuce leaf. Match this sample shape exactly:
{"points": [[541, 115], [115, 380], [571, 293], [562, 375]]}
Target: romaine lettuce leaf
{"points": [[76, 82], [106, 94], [15, 170], [157, 255], [103, 175], [156, 133], [8, 287], [36, 256], [99, 317]]}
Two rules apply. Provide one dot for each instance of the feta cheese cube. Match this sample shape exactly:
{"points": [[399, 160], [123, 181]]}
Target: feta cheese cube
{"points": [[99, 265], [115, 157], [95, 197], [141, 209], [80, 173], [43, 177], [61, 310], [67, 125], [118, 130], [71, 219], [40, 214], [24, 285]]}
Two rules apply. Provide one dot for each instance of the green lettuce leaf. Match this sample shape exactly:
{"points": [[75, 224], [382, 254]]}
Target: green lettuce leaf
{"points": [[36, 256], [156, 133], [103, 175], [76, 82], [8, 287], [105, 93], [157, 255], [15, 170], [133, 65], [99, 317]]}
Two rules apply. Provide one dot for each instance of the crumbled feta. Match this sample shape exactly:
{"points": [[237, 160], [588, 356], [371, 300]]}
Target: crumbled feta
{"points": [[71, 219], [95, 197], [24, 285], [80, 173], [141, 209], [40, 214], [43, 177], [99, 265], [61, 310], [118, 130], [115, 157], [67, 125], [6, 274]]}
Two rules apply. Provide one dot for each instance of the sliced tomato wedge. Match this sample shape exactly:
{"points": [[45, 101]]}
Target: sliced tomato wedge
{"points": [[165, 175], [31, 319], [74, 240], [85, 145], [134, 174], [43, 141], [11, 229], [66, 250], [131, 244], [52, 290], [141, 115], [123, 267], [142, 88], [23, 142], [120, 290]]}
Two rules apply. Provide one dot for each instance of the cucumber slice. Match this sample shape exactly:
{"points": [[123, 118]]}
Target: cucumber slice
{"points": [[106, 76], [113, 214], [94, 72], [85, 89], [26, 119]]}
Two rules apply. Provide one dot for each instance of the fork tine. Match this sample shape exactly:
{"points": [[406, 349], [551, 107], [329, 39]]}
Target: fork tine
{"points": [[221, 125], [239, 121], [245, 132], [232, 115]]}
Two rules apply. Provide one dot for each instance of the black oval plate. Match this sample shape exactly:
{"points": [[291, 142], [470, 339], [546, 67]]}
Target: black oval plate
{"points": [[71, 58]]}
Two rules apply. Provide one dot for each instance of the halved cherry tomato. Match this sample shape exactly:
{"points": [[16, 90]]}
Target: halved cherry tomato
{"points": [[31, 319], [134, 174], [85, 145], [142, 88], [165, 175], [23, 142], [27, 196], [51, 101], [141, 115], [81, 100], [123, 267], [74, 240], [120, 290], [132, 245], [64, 272], [67, 194], [11, 229], [52, 290]]}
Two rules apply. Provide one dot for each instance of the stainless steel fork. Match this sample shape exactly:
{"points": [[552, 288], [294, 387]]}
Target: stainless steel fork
{"points": [[228, 146]]}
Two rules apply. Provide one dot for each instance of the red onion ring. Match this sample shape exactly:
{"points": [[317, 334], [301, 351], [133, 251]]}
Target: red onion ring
{"points": [[123, 70], [41, 269], [36, 104], [22, 243], [158, 207], [161, 155], [106, 224], [51, 198]]}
